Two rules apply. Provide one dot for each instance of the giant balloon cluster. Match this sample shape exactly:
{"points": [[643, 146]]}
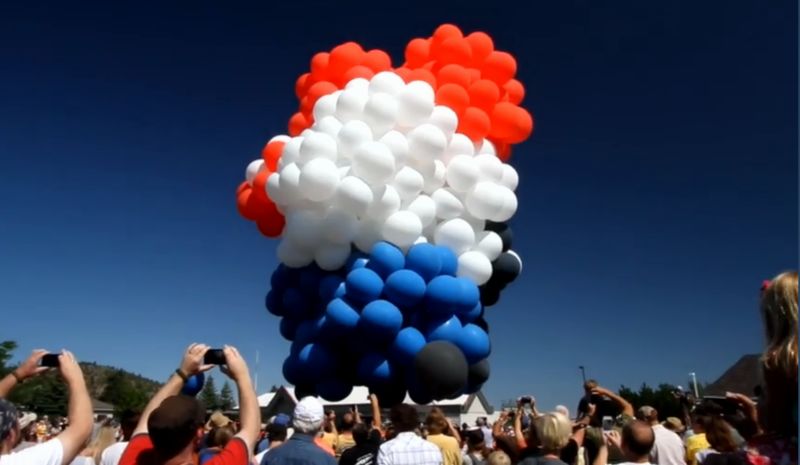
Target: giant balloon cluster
{"points": [[391, 195]]}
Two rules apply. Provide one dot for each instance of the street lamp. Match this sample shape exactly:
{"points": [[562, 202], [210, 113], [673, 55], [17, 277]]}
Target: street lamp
{"points": [[583, 373]]}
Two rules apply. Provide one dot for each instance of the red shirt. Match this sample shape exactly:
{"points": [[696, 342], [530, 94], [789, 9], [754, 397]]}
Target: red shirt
{"points": [[140, 452]]}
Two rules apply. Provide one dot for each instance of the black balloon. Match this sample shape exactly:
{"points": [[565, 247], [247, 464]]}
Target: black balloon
{"points": [[481, 323], [301, 391], [506, 268], [389, 395], [441, 367], [478, 372], [489, 295], [504, 231]]}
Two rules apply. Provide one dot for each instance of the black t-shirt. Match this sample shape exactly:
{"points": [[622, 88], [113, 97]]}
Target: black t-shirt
{"points": [[360, 454]]}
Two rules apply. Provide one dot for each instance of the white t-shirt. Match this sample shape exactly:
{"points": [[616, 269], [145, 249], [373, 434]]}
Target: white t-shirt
{"points": [[46, 453], [668, 448], [83, 460], [113, 453]]}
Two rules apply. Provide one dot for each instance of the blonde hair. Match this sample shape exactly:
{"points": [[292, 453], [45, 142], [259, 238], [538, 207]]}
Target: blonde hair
{"points": [[553, 431], [779, 360], [779, 312], [498, 458], [436, 422], [105, 437]]}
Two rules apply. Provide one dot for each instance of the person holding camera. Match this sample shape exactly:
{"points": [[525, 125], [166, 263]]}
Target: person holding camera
{"points": [[172, 425], [63, 448]]}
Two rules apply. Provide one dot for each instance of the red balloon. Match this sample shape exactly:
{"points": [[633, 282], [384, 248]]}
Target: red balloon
{"points": [[421, 74], [474, 123], [503, 150], [417, 52], [453, 74], [246, 207], [344, 57], [319, 65], [515, 91], [319, 89], [511, 123], [271, 222], [446, 31], [260, 185], [404, 73], [481, 46], [271, 153], [453, 96], [359, 71], [242, 187], [455, 50], [377, 60], [484, 94], [300, 85], [297, 123], [499, 67]]}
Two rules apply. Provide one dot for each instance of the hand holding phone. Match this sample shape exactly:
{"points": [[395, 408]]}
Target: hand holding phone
{"points": [[49, 360], [214, 357]]}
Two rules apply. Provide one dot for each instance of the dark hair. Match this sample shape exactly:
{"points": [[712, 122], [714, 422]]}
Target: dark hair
{"points": [[718, 434], [474, 440], [590, 384], [129, 419], [348, 421], [404, 418], [638, 437], [509, 446], [361, 433], [276, 432], [436, 422]]}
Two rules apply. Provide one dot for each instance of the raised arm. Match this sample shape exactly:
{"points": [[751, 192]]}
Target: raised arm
{"points": [[79, 412], [497, 427], [191, 364], [377, 423], [27, 369], [249, 412], [627, 408]]}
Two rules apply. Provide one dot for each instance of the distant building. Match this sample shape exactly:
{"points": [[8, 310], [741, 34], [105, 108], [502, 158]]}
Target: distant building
{"points": [[463, 409], [742, 377], [102, 408]]}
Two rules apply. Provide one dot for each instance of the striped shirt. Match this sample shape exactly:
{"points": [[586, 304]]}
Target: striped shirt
{"points": [[409, 449]]}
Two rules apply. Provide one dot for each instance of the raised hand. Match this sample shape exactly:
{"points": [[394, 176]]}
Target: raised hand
{"points": [[235, 366], [192, 362], [30, 367]]}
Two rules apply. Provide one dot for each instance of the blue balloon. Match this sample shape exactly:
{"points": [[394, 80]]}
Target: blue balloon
{"points": [[274, 302], [363, 285], [283, 277], [288, 328], [406, 345], [449, 261], [468, 295], [341, 291], [316, 361], [308, 330], [328, 286], [472, 315], [448, 330], [356, 260], [296, 303], [292, 371], [441, 296], [385, 259], [380, 321], [341, 317], [333, 389], [425, 260], [404, 288], [374, 368], [474, 343], [310, 277], [194, 385]]}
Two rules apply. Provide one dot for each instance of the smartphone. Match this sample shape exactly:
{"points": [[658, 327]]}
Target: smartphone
{"points": [[727, 406], [214, 357], [49, 360], [608, 423], [525, 400]]}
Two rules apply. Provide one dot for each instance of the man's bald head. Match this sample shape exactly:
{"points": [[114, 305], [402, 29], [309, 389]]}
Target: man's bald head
{"points": [[637, 440]]}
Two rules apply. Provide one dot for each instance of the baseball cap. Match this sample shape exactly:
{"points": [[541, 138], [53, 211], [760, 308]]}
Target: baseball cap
{"points": [[8, 418], [674, 422], [26, 419], [281, 419], [218, 420], [174, 423], [309, 410]]}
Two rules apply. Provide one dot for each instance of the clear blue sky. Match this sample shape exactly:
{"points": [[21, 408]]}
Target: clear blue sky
{"points": [[658, 190]]}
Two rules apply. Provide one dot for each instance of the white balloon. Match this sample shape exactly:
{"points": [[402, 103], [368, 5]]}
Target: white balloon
{"points": [[280, 138], [359, 85], [416, 103], [385, 201], [317, 145], [290, 184], [462, 173], [486, 147], [319, 179], [351, 136], [459, 145], [484, 200], [369, 232], [303, 228], [427, 142], [475, 266], [339, 226], [331, 257], [402, 228], [425, 208], [510, 177], [380, 112], [353, 195], [408, 182], [448, 205], [274, 191], [293, 256], [435, 179], [509, 206], [328, 125], [456, 234], [350, 104], [255, 167], [326, 105], [344, 170], [490, 167], [489, 243], [291, 151], [421, 240], [386, 82], [398, 144], [445, 119], [373, 162]]}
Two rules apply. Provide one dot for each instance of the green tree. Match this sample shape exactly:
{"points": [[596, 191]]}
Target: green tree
{"points": [[45, 394], [209, 394], [226, 401], [7, 349], [121, 392], [660, 399]]}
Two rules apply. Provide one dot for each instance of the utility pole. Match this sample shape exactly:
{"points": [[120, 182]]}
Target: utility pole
{"points": [[583, 373], [693, 379]]}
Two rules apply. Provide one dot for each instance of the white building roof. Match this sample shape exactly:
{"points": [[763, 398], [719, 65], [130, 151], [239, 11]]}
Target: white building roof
{"points": [[359, 395]]}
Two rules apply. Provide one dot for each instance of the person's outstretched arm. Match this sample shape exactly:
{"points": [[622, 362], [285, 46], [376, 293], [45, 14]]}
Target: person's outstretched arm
{"points": [[79, 413], [522, 443], [249, 412], [27, 369], [627, 408], [497, 427], [191, 364], [376, 413]]}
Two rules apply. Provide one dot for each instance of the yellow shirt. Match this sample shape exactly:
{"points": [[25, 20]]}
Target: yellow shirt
{"points": [[344, 442], [694, 445], [330, 439], [451, 453]]}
